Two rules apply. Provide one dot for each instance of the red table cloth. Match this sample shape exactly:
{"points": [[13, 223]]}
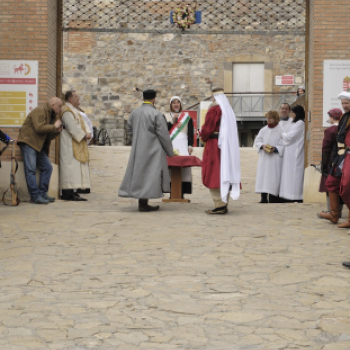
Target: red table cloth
{"points": [[184, 161]]}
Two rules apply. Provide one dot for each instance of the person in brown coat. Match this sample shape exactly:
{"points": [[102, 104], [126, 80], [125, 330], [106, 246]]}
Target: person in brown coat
{"points": [[35, 135]]}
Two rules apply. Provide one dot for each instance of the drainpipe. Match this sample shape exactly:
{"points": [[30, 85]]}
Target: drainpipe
{"points": [[58, 68], [307, 48]]}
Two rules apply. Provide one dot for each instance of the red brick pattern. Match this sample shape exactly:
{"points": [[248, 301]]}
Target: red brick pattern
{"points": [[329, 28], [28, 31]]}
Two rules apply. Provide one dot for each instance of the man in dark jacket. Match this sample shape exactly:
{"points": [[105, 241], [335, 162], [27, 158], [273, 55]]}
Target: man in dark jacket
{"points": [[35, 135], [338, 180]]}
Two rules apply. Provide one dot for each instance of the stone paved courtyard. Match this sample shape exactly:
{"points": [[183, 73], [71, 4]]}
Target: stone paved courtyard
{"points": [[100, 275]]}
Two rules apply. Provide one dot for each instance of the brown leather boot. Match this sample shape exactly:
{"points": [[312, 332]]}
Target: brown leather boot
{"points": [[334, 214], [345, 224], [144, 207]]}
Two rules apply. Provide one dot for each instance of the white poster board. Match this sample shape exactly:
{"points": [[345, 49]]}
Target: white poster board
{"points": [[336, 78], [18, 91]]}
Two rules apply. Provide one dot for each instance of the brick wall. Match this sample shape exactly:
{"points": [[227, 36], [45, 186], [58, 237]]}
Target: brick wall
{"points": [[28, 30], [328, 40]]}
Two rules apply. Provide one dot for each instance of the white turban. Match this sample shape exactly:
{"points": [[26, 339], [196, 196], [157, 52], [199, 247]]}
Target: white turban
{"points": [[175, 98], [344, 95], [301, 87]]}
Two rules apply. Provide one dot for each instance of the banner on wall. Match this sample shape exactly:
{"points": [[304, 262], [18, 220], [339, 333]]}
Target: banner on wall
{"points": [[18, 91], [336, 78]]}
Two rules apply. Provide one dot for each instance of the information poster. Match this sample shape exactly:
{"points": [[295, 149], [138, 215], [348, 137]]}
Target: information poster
{"points": [[336, 78], [18, 91]]}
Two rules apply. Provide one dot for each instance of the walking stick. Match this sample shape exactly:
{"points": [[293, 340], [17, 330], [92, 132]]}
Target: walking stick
{"points": [[13, 185]]}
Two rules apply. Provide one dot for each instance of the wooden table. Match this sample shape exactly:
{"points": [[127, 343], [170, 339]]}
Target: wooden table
{"points": [[176, 164]]}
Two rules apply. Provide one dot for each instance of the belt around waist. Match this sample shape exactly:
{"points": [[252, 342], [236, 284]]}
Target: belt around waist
{"points": [[214, 135]]}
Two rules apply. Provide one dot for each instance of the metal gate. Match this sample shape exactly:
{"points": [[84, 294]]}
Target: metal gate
{"points": [[153, 16]]}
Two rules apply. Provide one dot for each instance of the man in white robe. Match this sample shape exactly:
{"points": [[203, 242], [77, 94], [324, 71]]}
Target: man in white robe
{"points": [[292, 177], [268, 175], [221, 168], [285, 120], [74, 154]]}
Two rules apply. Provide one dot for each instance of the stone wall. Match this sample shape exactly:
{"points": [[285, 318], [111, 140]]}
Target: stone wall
{"points": [[105, 68]]}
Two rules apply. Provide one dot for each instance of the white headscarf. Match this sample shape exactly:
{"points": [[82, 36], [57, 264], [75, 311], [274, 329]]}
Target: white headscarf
{"points": [[344, 95], [230, 166], [175, 98]]}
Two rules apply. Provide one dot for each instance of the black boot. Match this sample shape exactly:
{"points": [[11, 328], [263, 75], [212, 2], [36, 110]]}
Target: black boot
{"points": [[70, 195], [221, 210], [264, 198], [144, 207], [67, 195]]}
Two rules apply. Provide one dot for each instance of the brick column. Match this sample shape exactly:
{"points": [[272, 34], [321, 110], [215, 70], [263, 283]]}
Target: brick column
{"points": [[29, 31], [329, 26]]}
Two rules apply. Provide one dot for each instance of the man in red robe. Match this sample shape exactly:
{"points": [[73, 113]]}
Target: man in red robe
{"points": [[338, 181], [329, 140], [220, 177]]}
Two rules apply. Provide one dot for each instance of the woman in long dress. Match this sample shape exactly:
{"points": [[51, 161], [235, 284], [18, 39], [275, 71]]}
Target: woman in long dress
{"points": [[181, 134], [292, 178], [270, 148]]}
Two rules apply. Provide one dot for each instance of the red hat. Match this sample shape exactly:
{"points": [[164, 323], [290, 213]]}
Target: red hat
{"points": [[335, 113]]}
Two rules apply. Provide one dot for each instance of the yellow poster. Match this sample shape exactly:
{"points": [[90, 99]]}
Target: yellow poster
{"points": [[18, 91]]}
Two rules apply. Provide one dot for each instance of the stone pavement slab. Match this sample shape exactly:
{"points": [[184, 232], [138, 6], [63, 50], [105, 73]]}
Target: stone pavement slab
{"points": [[101, 275]]}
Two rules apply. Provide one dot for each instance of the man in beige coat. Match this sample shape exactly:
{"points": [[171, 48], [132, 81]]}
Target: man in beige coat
{"points": [[74, 156]]}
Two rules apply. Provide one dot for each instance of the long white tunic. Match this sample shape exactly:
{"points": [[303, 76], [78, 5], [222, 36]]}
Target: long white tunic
{"points": [[73, 174], [285, 124], [292, 178], [88, 122], [268, 175]]}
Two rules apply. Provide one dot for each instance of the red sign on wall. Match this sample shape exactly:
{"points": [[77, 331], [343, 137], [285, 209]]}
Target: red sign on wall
{"points": [[285, 80]]}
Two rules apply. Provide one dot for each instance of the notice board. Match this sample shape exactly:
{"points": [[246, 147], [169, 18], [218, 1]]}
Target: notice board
{"points": [[18, 91], [336, 78]]}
